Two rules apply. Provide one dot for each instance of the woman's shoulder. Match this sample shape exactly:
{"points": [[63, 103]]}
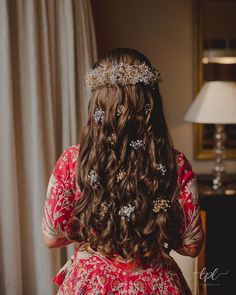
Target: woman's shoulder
{"points": [[72, 152], [68, 158], [181, 159], [184, 167]]}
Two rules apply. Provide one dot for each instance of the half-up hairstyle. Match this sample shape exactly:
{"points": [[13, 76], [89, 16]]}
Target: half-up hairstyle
{"points": [[122, 146]]}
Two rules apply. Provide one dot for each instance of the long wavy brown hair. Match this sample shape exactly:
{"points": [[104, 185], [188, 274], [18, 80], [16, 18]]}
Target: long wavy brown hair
{"points": [[144, 234]]}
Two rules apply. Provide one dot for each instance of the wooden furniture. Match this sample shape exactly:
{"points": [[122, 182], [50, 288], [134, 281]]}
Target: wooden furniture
{"points": [[217, 261]]}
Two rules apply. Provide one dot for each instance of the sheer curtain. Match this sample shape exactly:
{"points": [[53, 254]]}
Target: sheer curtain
{"points": [[45, 49]]}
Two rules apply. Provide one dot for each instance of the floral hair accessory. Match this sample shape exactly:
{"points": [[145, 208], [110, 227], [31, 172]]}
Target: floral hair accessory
{"points": [[165, 245], [120, 110], [104, 209], [122, 74], [162, 168], [136, 144], [111, 139], [126, 211], [93, 179], [147, 108], [121, 175], [160, 204], [98, 115]]}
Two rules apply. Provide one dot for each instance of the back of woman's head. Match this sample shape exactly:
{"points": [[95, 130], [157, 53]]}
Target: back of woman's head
{"points": [[126, 164]]}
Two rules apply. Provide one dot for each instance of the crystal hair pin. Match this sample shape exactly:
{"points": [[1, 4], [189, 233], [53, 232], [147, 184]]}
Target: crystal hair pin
{"points": [[93, 179], [162, 168], [104, 209], [147, 108], [126, 211], [98, 115], [111, 139], [120, 110], [121, 175], [136, 144], [160, 204], [165, 245]]}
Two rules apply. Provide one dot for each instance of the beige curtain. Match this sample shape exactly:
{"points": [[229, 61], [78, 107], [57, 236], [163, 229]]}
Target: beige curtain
{"points": [[46, 46]]}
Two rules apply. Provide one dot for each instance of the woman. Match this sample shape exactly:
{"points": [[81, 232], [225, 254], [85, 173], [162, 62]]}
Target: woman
{"points": [[124, 194]]}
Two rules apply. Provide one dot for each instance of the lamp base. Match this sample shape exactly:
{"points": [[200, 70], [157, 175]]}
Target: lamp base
{"points": [[228, 185], [219, 168]]}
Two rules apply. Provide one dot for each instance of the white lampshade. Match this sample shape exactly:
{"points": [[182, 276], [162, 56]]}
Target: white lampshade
{"points": [[214, 104]]}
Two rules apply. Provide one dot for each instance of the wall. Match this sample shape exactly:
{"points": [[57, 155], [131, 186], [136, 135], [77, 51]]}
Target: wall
{"points": [[162, 30]]}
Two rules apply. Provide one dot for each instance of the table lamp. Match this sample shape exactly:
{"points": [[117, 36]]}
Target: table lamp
{"points": [[215, 104]]}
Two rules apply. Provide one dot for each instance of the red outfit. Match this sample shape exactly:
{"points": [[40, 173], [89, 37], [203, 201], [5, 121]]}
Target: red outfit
{"points": [[92, 273]]}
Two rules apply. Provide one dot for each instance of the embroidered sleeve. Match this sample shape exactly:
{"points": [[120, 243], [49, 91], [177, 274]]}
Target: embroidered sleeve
{"points": [[61, 194], [188, 199]]}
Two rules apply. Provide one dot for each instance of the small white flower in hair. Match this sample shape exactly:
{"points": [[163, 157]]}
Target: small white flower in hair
{"points": [[147, 108], [98, 115], [93, 179], [162, 168], [126, 211], [136, 144]]}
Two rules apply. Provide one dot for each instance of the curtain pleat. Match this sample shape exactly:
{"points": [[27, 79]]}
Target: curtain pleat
{"points": [[45, 49]]}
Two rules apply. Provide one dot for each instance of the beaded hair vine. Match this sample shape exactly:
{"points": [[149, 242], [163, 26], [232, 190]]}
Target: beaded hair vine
{"points": [[122, 74]]}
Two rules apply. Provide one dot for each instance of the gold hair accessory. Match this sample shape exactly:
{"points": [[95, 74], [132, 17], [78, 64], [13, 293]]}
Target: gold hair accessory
{"points": [[126, 211], [98, 115], [111, 139], [120, 110], [104, 209], [121, 175], [122, 74], [160, 204]]}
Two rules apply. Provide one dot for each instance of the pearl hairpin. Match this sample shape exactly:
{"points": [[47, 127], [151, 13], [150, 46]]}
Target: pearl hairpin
{"points": [[121, 175], [160, 204], [111, 139], [98, 115], [120, 110]]}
